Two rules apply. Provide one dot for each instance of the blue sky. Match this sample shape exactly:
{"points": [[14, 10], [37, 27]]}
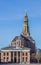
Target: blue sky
{"points": [[12, 18]]}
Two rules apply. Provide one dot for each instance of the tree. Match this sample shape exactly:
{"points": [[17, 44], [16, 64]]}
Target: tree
{"points": [[38, 55]]}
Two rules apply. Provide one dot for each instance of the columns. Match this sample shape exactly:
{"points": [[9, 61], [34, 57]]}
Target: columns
{"points": [[9, 56], [1, 56], [13, 56], [24, 57], [28, 57], [17, 56]]}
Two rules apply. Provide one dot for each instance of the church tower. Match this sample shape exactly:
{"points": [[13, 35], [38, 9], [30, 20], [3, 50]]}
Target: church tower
{"points": [[25, 30]]}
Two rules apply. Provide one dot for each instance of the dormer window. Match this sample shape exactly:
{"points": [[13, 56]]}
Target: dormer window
{"points": [[17, 46]]}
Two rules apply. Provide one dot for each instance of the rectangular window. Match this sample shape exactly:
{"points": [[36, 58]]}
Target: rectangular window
{"points": [[26, 59], [4, 59], [7, 54], [26, 53], [23, 59], [4, 54], [7, 58], [23, 53]]}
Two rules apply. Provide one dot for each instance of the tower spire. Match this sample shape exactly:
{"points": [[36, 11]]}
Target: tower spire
{"points": [[26, 26]]}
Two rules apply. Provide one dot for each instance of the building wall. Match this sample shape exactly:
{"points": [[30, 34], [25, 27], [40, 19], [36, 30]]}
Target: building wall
{"points": [[16, 42], [24, 57], [5, 56]]}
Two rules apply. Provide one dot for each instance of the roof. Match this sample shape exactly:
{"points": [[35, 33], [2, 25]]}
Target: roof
{"points": [[21, 37], [27, 41], [15, 48], [17, 38]]}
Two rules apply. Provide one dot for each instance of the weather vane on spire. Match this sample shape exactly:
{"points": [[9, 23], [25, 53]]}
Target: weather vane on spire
{"points": [[25, 12]]}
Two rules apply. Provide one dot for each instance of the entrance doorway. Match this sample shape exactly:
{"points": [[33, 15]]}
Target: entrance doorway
{"points": [[11, 56], [15, 54], [18, 60], [15, 60]]}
